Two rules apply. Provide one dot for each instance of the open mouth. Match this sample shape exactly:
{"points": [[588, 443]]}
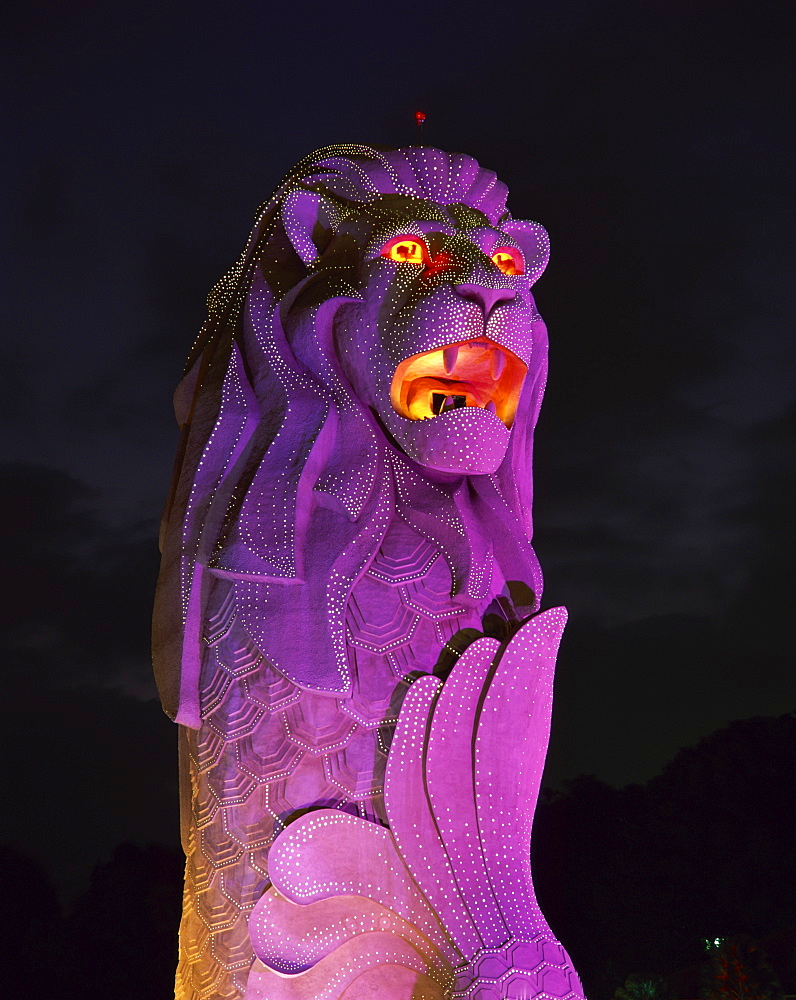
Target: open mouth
{"points": [[471, 373]]}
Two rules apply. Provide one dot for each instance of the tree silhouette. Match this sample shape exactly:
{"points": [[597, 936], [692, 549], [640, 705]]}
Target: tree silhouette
{"points": [[737, 969], [121, 937], [637, 987], [639, 877], [31, 927]]}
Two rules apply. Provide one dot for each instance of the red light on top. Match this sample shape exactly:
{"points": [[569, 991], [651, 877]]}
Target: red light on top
{"points": [[420, 117]]}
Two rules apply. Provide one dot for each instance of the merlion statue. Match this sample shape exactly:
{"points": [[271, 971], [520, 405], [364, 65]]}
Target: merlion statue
{"points": [[347, 625]]}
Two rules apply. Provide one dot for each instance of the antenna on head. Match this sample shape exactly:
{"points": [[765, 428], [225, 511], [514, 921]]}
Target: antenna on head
{"points": [[420, 117]]}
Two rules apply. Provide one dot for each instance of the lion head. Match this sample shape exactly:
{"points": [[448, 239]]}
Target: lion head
{"points": [[375, 352]]}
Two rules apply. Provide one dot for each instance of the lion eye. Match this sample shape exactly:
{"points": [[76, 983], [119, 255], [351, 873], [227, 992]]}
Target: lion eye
{"points": [[405, 249], [508, 260]]}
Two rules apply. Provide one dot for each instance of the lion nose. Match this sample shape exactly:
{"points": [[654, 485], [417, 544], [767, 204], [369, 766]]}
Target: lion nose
{"points": [[487, 298]]}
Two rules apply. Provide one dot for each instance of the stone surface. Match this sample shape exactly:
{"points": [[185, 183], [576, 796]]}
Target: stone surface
{"points": [[354, 493]]}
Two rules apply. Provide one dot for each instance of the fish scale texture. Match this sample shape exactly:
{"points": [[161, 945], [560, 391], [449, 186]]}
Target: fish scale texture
{"points": [[268, 750]]}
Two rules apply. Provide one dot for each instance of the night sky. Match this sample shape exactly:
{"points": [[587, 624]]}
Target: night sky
{"points": [[654, 142]]}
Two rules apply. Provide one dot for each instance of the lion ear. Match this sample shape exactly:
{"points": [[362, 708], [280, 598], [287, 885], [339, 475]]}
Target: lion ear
{"points": [[534, 242], [308, 221]]}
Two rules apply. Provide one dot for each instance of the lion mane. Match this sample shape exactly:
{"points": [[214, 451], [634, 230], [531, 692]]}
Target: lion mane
{"points": [[286, 480]]}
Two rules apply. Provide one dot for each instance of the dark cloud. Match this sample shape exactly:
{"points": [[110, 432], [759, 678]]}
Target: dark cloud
{"points": [[654, 143], [80, 592], [629, 696], [89, 757], [86, 769]]}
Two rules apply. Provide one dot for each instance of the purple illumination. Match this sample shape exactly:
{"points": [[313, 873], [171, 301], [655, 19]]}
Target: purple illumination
{"points": [[353, 495], [446, 893]]}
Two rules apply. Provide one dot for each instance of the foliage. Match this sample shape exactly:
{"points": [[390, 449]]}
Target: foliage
{"points": [[737, 969], [638, 987], [638, 877]]}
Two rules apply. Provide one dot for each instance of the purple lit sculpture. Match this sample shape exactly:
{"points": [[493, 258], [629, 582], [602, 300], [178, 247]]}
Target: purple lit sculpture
{"points": [[347, 625]]}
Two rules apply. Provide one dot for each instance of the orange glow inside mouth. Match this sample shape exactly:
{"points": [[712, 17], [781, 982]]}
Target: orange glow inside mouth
{"points": [[471, 373]]}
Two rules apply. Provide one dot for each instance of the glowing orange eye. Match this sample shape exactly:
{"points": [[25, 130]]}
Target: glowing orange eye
{"points": [[405, 249], [508, 260]]}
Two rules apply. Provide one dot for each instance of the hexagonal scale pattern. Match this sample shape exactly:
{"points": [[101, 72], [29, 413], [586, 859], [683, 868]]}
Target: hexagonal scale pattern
{"points": [[204, 977], [237, 654], [269, 689], [235, 715], [199, 872], [519, 986], [307, 787], [204, 805], [463, 982], [553, 953], [217, 845], [239, 979], [204, 747], [216, 911], [232, 949], [227, 783], [487, 993], [491, 966], [258, 859], [431, 596], [194, 934], [554, 982], [404, 556], [212, 693], [242, 884], [377, 618], [527, 956], [269, 749], [316, 723], [358, 769], [373, 701], [268, 753], [250, 825], [226, 987], [446, 628], [421, 652]]}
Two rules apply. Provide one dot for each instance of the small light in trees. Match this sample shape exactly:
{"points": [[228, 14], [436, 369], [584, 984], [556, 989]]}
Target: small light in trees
{"points": [[711, 943]]}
